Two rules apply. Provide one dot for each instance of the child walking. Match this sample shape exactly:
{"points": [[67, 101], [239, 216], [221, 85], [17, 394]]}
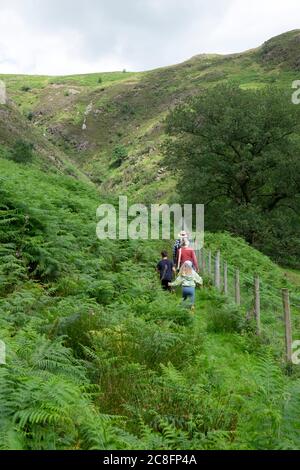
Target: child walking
{"points": [[165, 268], [188, 279]]}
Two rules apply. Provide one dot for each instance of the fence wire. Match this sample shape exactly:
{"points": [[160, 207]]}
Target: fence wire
{"points": [[272, 318]]}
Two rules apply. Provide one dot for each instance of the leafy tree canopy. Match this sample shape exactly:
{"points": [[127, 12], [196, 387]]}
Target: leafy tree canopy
{"points": [[237, 151]]}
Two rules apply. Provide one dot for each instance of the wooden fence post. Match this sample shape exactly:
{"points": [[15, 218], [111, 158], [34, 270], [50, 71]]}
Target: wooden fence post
{"points": [[237, 288], [287, 324], [217, 270], [257, 304], [209, 263], [199, 257], [225, 278]]}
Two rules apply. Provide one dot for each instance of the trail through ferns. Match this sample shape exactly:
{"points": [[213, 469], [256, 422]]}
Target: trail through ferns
{"points": [[98, 357]]}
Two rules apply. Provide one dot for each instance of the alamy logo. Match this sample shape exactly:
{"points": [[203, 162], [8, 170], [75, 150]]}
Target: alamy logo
{"points": [[153, 222], [3, 97], [2, 353], [296, 352], [296, 94]]}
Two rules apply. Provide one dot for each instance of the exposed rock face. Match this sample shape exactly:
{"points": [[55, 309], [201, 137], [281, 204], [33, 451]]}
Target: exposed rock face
{"points": [[83, 146], [88, 110], [56, 129], [72, 91]]}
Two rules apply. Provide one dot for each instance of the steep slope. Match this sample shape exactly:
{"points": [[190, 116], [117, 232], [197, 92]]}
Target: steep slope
{"points": [[15, 128], [99, 357], [111, 125], [282, 51]]}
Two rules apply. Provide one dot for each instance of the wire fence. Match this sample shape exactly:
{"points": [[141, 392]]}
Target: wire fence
{"points": [[275, 311]]}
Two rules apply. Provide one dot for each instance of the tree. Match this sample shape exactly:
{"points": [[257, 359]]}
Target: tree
{"points": [[237, 152]]}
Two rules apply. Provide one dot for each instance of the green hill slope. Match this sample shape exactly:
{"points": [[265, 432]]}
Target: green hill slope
{"points": [[15, 129], [90, 116], [98, 357]]}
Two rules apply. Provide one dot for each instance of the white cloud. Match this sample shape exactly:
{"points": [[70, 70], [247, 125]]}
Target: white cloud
{"points": [[25, 49], [76, 36], [248, 24]]}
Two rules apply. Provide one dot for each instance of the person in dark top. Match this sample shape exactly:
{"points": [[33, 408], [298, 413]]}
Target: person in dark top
{"points": [[165, 268], [176, 247]]}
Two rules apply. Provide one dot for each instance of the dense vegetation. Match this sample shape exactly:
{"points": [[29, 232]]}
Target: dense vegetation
{"points": [[99, 357], [237, 151]]}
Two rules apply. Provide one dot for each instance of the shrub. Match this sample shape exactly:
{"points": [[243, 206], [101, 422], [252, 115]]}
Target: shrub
{"points": [[127, 108], [224, 316], [22, 152], [120, 153], [30, 115]]}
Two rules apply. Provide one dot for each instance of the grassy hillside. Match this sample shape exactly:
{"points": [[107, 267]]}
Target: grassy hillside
{"points": [[128, 110], [15, 128], [98, 357]]}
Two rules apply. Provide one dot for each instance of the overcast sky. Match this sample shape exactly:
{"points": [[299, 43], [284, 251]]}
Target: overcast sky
{"points": [[72, 36]]}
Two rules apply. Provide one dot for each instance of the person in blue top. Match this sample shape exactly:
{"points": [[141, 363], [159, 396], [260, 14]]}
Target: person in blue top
{"points": [[165, 268]]}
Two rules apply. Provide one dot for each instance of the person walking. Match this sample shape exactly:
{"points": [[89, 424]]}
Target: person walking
{"points": [[188, 279], [186, 253], [165, 268], [181, 236]]}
